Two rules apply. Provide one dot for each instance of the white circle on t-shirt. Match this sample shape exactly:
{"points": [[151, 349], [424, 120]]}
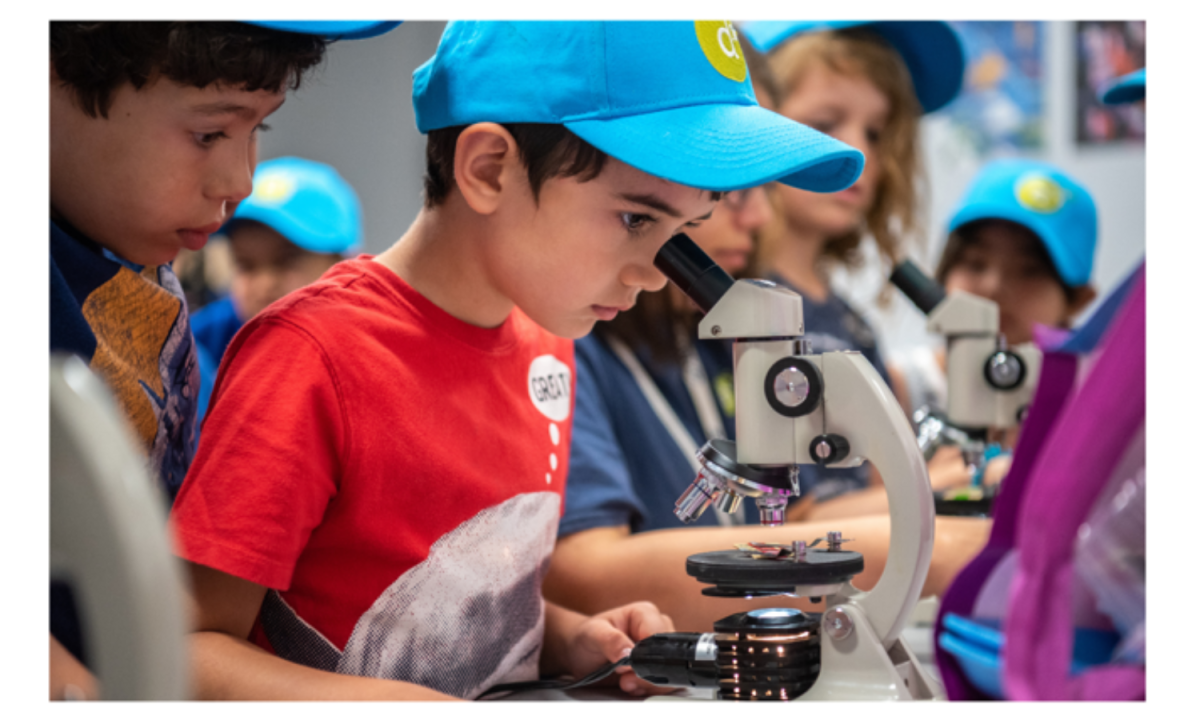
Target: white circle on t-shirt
{"points": [[553, 461], [554, 433], [550, 387]]}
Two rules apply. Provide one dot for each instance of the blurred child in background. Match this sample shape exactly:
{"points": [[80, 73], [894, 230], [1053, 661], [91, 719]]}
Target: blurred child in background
{"points": [[301, 219], [1023, 236]]}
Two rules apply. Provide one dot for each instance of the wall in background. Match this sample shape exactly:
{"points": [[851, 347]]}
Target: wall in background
{"points": [[356, 114]]}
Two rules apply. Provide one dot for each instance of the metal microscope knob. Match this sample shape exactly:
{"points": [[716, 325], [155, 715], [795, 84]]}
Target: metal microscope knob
{"points": [[1004, 370], [793, 387], [829, 449]]}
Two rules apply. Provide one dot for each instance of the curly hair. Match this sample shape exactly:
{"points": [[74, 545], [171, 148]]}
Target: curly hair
{"points": [[95, 58], [860, 52]]}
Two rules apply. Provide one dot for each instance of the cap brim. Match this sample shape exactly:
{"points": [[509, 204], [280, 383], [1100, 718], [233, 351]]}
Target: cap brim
{"points": [[725, 147], [331, 29], [1128, 88]]}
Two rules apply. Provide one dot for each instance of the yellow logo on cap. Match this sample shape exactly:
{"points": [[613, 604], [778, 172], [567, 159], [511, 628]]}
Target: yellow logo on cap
{"points": [[1040, 193], [719, 41], [275, 188]]}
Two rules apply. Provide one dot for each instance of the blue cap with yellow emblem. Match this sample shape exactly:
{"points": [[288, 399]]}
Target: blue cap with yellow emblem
{"points": [[1044, 199], [672, 99], [931, 50], [307, 202]]}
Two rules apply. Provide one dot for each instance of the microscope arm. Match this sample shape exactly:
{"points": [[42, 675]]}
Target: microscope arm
{"points": [[108, 536], [861, 408]]}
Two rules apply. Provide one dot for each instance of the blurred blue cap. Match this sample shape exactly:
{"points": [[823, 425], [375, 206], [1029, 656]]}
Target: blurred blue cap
{"points": [[307, 202], [1126, 89], [672, 99], [931, 50], [331, 29], [1044, 199]]}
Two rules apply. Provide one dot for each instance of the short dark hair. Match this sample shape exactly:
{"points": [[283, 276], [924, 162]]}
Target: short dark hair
{"points": [[547, 150], [968, 234], [95, 58]]}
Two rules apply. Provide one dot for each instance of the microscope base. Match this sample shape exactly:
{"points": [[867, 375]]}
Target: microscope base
{"points": [[857, 668]]}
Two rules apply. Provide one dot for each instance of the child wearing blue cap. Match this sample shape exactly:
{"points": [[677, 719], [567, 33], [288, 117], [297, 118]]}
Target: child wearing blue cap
{"points": [[375, 498], [301, 219], [866, 83], [152, 137], [648, 396], [1024, 236]]}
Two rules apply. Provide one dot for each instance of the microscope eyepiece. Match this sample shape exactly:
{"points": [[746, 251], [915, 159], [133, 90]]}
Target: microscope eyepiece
{"points": [[924, 292], [693, 271]]}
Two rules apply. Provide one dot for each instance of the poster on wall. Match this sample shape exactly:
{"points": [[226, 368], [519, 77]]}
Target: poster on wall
{"points": [[1000, 107], [1104, 51]]}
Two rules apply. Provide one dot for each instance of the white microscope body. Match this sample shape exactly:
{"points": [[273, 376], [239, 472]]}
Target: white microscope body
{"points": [[794, 407], [989, 384]]}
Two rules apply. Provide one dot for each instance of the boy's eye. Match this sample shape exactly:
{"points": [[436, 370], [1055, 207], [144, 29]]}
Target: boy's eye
{"points": [[262, 128], [874, 135], [206, 139], [636, 221]]}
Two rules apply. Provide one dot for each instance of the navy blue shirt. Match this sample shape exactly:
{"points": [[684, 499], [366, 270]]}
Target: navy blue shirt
{"points": [[625, 468], [129, 323]]}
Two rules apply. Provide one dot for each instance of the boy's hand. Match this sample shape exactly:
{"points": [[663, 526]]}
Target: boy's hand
{"points": [[609, 636]]}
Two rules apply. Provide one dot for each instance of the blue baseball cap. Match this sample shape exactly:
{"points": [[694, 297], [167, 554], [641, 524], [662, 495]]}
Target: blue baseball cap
{"points": [[931, 50], [307, 202], [1044, 199], [672, 99], [1126, 89], [331, 29]]}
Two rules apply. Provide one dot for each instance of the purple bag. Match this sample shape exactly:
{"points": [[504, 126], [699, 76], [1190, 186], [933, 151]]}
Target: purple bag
{"points": [[1077, 433]]}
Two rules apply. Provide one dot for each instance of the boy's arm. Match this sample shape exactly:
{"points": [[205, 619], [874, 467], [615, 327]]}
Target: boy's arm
{"points": [[606, 567], [227, 666]]}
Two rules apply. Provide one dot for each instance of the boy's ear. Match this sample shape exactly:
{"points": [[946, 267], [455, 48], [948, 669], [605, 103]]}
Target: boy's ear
{"points": [[1080, 298], [486, 163]]}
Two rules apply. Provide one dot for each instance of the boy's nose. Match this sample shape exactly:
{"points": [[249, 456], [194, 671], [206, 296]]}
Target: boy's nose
{"points": [[645, 277], [234, 178], [989, 284]]}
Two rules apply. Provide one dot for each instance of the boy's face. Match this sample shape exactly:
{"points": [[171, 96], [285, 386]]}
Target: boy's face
{"points": [[162, 172], [1003, 265], [585, 250], [268, 266]]}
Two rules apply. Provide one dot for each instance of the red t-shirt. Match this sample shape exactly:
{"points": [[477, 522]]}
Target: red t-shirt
{"points": [[394, 473]]}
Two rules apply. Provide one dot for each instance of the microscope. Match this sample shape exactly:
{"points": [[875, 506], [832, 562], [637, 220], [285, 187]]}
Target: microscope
{"points": [[990, 385], [794, 407]]}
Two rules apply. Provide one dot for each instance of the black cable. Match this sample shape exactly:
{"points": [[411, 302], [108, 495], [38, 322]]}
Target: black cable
{"points": [[595, 677]]}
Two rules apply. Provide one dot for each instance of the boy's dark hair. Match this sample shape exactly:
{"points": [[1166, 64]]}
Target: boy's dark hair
{"points": [[548, 150], [95, 58], [966, 235]]}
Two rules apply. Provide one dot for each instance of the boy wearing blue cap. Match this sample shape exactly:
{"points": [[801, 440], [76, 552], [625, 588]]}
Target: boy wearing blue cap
{"points": [[381, 474], [152, 144], [301, 219], [1024, 236]]}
